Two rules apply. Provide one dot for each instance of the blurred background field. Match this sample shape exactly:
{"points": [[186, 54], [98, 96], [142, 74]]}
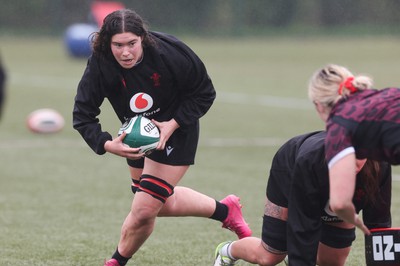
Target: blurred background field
{"points": [[60, 204]]}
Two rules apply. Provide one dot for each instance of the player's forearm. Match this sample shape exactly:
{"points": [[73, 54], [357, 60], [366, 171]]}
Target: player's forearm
{"points": [[345, 210]]}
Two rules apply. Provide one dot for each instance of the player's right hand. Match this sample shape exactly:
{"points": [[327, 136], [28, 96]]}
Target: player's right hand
{"points": [[117, 147], [360, 224]]}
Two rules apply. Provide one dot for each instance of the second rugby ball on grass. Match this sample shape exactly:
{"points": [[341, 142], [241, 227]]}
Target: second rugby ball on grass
{"points": [[45, 121]]}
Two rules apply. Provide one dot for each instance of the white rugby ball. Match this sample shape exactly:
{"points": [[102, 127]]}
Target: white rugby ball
{"points": [[140, 133], [45, 121]]}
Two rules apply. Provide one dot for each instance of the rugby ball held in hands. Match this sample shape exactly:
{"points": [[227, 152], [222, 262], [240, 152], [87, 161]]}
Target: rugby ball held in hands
{"points": [[45, 121], [140, 133]]}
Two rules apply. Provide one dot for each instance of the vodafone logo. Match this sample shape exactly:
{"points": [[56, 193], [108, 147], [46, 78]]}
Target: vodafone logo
{"points": [[141, 102]]}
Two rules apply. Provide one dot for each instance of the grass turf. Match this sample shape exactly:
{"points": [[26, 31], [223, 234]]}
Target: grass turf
{"points": [[60, 204]]}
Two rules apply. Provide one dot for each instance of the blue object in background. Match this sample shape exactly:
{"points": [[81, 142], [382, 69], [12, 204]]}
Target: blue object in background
{"points": [[77, 39]]}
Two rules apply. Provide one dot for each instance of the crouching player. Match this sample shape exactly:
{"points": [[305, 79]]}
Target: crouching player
{"points": [[297, 219]]}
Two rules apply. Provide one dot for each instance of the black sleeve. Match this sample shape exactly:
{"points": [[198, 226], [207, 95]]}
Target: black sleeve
{"points": [[378, 215], [197, 92], [304, 219], [88, 100], [2, 86]]}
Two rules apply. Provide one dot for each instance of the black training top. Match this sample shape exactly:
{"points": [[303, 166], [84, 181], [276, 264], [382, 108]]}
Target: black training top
{"points": [[368, 122], [2, 86], [304, 180], [170, 82]]}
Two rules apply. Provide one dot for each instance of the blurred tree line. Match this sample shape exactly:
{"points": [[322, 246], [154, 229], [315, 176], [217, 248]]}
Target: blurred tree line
{"points": [[226, 17]]}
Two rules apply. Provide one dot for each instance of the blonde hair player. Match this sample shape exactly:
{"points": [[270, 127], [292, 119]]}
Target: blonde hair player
{"points": [[361, 123]]}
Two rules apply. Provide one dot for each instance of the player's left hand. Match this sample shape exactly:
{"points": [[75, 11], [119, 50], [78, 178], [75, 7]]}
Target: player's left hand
{"points": [[360, 224], [166, 129]]}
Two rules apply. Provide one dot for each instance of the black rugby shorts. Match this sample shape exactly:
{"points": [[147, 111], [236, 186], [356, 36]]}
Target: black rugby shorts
{"points": [[180, 149]]}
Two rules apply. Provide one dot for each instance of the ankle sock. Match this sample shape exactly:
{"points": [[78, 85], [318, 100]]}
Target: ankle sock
{"points": [[121, 259], [226, 251], [220, 213]]}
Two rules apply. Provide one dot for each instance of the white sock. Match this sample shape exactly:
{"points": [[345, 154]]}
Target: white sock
{"points": [[226, 251]]}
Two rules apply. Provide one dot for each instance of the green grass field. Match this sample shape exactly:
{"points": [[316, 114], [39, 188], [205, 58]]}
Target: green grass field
{"points": [[60, 204]]}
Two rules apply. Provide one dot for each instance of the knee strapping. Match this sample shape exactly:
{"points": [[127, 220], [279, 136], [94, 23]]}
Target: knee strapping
{"points": [[337, 237], [135, 185], [274, 234], [155, 187]]}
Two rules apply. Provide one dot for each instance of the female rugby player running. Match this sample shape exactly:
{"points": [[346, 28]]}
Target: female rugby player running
{"points": [[159, 77]]}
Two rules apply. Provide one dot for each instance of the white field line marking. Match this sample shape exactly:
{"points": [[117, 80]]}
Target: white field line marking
{"points": [[210, 142], [241, 142], [43, 81], [40, 144], [53, 82], [264, 100], [69, 143]]}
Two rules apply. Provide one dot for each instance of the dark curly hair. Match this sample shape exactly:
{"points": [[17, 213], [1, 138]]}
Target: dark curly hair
{"points": [[120, 21], [369, 177]]}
